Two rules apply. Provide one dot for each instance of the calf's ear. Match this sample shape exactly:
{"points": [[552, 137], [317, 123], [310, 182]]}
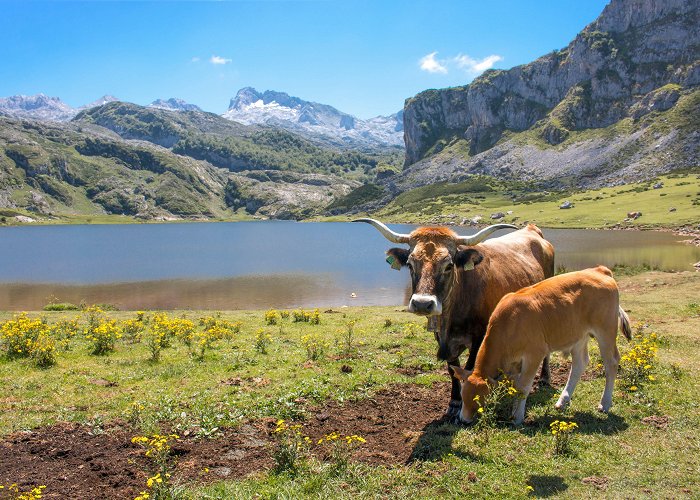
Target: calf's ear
{"points": [[468, 258], [397, 257], [460, 372]]}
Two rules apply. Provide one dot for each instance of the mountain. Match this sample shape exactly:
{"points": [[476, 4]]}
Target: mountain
{"points": [[319, 122], [99, 102], [37, 107], [619, 103], [151, 163], [174, 104], [229, 144], [43, 108]]}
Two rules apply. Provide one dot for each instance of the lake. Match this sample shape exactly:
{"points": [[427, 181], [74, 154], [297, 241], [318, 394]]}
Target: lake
{"points": [[245, 265]]}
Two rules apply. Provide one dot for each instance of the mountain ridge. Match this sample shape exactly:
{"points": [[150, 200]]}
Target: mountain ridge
{"points": [[316, 121], [637, 59]]}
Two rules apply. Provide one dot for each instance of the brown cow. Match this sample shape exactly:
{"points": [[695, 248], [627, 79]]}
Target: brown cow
{"points": [[557, 314], [457, 281]]}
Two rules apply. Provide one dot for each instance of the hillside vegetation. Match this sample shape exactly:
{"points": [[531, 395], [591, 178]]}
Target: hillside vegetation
{"points": [[675, 202], [151, 164]]}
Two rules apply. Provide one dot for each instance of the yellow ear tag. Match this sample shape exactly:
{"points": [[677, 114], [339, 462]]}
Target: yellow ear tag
{"points": [[395, 264], [469, 265]]}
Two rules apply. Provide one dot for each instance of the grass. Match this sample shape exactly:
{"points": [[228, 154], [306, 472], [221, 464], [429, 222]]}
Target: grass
{"points": [[630, 458], [34, 397], [597, 208]]}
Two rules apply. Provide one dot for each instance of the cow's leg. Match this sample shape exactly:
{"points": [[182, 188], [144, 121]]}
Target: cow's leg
{"points": [[456, 394], [524, 386], [579, 361], [545, 373], [477, 339]]}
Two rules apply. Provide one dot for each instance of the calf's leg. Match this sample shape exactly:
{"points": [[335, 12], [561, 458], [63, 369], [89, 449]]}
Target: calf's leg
{"points": [[611, 362], [524, 385], [579, 361], [545, 373]]}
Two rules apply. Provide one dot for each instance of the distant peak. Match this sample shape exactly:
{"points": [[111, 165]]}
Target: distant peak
{"points": [[38, 106], [244, 97], [101, 101], [174, 104]]}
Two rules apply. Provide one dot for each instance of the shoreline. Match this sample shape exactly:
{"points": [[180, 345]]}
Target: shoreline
{"points": [[686, 230]]}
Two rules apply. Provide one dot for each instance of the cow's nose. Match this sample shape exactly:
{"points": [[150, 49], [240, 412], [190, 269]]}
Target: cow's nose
{"points": [[422, 304]]}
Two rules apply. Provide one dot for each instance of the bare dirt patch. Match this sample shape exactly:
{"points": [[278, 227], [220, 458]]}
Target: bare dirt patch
{"points": [[600, 483], [74, 461], [658, 421]]}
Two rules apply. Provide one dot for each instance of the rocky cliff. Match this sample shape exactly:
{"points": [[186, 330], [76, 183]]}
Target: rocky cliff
{"points": [[638, 57]]}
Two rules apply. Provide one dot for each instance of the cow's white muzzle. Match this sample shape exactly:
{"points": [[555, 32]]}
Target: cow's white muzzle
{"points": [[426, 305]]}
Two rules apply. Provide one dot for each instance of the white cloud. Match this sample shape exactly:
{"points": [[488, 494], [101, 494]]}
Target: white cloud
{"points": [[472, 65], [219, 60], [195, 59], [431, 65]]}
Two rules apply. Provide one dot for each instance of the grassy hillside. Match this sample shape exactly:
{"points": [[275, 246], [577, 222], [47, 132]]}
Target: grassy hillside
{"points": [[82, 172], [230, 145], [597, 208], [54, 170], [335, 375]]}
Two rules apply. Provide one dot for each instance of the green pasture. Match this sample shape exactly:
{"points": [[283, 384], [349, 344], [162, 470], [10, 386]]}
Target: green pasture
{"points": [[598, 208], [280, 379]]}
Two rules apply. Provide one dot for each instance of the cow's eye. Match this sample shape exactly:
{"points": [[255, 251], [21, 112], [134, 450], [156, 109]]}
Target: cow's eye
{"points": [[448, 268]]}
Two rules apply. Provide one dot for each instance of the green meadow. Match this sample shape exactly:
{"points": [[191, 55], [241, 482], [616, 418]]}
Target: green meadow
{"points": [[598, 208], [646, 447]]}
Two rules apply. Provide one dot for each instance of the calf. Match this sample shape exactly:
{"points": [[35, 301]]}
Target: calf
{"points": [[557, 314]]}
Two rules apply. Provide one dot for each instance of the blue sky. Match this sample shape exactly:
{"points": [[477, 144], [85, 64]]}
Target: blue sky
{"points": [[363, 57]]}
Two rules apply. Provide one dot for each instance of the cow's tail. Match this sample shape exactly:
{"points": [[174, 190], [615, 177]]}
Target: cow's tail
{"points": [[625, 324]]}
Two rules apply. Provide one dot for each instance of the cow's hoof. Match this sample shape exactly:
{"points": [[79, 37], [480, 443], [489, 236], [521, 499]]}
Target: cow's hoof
{"points": [[453, 409]]}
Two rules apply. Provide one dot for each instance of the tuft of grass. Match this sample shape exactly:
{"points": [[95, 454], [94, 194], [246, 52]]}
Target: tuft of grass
{"points": [[62, 306]]}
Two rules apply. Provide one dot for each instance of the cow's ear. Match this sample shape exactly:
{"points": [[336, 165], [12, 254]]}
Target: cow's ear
{"points": [[397, 257], [461, 373], [468, 258]]}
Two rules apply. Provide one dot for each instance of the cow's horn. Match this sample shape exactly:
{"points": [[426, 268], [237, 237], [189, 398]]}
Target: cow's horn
{"points": [[386, 232], [483, 234]]}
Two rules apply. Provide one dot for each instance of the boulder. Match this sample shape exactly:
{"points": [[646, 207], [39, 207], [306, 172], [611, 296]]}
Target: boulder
{"points": [[566, 204], [498, 215], [634, 215]]}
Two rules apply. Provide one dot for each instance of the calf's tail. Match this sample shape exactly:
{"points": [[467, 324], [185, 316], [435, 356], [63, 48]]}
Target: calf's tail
{"points": [[625, 324]]}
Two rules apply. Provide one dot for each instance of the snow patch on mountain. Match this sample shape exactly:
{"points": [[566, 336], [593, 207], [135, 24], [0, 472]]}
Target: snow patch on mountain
{"points": [[314, 120], [44, 108], [37, 107], [174, 104]]}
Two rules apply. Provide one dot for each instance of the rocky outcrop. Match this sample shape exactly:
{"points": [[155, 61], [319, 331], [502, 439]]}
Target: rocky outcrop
{"points": [[319, 122], [605, 74]]}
